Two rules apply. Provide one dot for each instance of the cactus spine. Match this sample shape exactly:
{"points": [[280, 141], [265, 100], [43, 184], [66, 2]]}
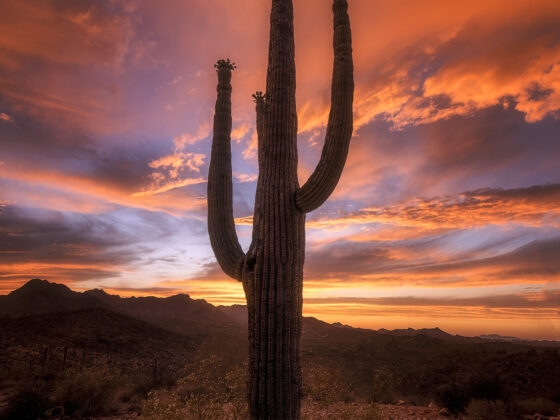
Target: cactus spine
{"points": [[272, 269]]}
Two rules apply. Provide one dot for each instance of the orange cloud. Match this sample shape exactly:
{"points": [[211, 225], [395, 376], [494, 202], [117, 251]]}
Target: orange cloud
{"points": [[64, 41], [6, 118], [250, 151], [161, 187], [239, 132], [473, 56], [534, 85], [101, 195], [177, 161], [187, 139], [40, 29], [533, 206]]}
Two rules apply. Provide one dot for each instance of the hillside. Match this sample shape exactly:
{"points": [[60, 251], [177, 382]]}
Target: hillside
{"points": [[157, 341], [100, 333], [177, 313]]}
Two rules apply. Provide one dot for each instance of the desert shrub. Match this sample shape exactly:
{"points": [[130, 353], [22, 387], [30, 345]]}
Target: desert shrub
{"points": [[489, 410], [167, 404], [453, 397], [212, 388], [324, 385], [143, 383], [486, 387], [382, 388], [162, 404], [210, 379], [29, 403], [86, 393], [542, 406]]}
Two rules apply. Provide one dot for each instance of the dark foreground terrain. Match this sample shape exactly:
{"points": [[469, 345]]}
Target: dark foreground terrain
{"points": [[65, 354]]}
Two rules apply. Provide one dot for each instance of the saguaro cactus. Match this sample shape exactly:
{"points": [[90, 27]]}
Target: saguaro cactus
{"points": [[272, 269]]}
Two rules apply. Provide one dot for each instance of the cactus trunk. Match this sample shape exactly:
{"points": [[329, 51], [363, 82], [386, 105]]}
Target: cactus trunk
{"points": [[272, 269]]}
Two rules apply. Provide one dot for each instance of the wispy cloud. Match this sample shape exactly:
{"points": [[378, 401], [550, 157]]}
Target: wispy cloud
{"points": [[245, 177], [161, 186], [534, 206], [6, 118]]}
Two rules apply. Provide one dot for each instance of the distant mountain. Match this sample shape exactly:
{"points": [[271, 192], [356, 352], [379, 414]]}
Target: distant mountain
{"points": [[430, 332], [496, 337], [188, 316], [41, 297], [237, 313], [313, 327], [177, 313]]}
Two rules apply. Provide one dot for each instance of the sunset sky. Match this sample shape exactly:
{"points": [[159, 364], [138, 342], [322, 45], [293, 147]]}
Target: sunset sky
{"points": [[448, 210]]}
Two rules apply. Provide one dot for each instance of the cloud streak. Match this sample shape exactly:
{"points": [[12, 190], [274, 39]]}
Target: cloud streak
{"points": [[533, 206]]}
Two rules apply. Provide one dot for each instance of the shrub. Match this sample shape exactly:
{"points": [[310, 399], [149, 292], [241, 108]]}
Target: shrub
{"points": [[542, 406], [489, 410], [211, 389], [382, 388], [162, 404], [88, 393], [453, 397], [487, 388], [29, 403], [325, 386]]}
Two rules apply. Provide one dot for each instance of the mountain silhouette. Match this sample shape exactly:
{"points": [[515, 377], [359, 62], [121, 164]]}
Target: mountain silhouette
{"points": [[177, 313], [182, 314]]}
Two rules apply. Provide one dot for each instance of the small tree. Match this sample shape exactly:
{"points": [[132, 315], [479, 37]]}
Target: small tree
{"points": [[272, 269]]}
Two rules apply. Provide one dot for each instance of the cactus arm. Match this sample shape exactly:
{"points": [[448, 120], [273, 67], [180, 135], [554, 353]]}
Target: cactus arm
{"points": [[261, 110], [261, 106], [323, 180], [221, 225]]}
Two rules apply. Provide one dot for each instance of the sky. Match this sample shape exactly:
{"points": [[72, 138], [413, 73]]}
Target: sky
{"points": [[448, 210]]}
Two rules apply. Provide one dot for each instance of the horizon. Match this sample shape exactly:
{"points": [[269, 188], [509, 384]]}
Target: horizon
{"points": [[381, 328], [448, 210]]}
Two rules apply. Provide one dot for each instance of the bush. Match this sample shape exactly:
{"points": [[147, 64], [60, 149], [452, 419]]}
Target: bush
{"points": [[489, 410], [29, 403], [487, 388], [382, 388], [453, 397], [211, 389], [542, 406], [325, 386], [86, 394], [478, 388]]}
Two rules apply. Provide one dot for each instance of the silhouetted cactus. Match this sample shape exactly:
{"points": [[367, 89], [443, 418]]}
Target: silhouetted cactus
{"points": [[83, 360], [64, 358], [272, 269], [45, 357]]}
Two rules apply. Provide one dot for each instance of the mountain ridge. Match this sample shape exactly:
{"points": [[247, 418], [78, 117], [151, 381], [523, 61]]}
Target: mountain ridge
{"points": [[180, 313]]}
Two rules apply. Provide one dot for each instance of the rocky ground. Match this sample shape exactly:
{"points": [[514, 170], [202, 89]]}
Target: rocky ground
{"points": [[411, 412]]}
